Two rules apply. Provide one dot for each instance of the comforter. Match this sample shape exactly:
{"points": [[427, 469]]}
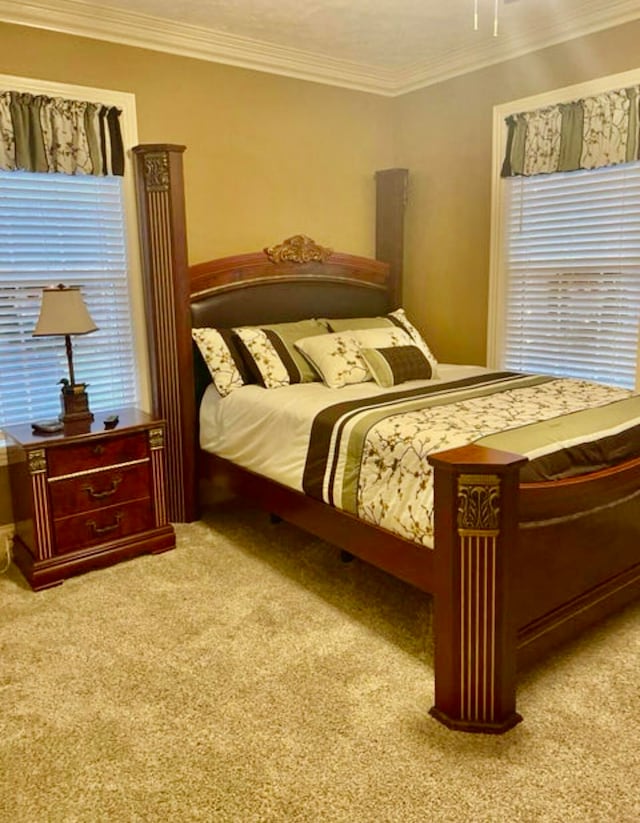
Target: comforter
{"points": [[369, 456]]}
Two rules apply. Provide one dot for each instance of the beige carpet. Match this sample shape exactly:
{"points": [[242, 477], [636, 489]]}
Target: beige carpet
{"points": [[249, 675]]}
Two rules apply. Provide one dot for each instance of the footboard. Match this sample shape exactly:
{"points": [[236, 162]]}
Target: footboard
{"points": [[520, 569], [578, 555]]}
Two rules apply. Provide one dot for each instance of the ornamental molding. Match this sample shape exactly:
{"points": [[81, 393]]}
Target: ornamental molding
{"points": [[156, 438], [298, 249], [145, 31], [156, 171], [478, 504], [37, 461]]}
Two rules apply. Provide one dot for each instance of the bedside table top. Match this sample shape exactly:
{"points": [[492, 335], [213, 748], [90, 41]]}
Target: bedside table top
{"points": [[128, 418]]}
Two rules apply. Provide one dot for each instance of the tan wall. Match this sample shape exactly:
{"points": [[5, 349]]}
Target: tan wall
{"points": [[266, 157], [444, 139]]}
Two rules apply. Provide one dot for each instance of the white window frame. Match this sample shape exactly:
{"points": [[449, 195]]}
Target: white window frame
{"points": [[129, 128], [498, 253]]}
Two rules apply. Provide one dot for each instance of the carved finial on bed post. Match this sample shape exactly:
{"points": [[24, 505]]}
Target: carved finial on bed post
{"points": [[298, 249]]}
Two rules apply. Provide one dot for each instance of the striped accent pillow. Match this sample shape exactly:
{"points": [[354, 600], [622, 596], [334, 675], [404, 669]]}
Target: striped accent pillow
{"points": [[397, 364], [221, 357], [271, 356]]}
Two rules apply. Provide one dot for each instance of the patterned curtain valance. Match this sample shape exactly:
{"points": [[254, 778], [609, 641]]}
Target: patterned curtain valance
{"points": [[584, 134], [47, 134]]}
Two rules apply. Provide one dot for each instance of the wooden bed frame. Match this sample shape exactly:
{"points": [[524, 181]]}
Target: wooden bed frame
{"points": [[516, 570]]}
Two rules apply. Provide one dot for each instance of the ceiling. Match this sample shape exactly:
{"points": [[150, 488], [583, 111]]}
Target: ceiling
{"points": [[387, 47]]}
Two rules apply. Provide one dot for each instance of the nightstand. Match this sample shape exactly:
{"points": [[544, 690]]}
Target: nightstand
{"points": [[87, 500]]}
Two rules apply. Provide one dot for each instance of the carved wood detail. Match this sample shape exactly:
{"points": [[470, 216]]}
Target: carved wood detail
{"points": [[159, 181], [298, 249]]}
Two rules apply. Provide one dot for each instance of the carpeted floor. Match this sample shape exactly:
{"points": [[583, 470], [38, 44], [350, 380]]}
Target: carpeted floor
{"points": [[250, 676]]}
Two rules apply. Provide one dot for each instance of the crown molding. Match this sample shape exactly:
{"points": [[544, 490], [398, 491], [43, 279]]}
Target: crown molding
{"points": [[131, 28], [591, 18]]}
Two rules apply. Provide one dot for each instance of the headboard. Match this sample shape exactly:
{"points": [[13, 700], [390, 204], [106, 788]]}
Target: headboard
{"points": [[293, 280]]}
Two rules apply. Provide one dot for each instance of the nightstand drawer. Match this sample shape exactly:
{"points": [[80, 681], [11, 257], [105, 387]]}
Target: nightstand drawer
{"points": [[103, 525], [96, 454], [99, 489]]}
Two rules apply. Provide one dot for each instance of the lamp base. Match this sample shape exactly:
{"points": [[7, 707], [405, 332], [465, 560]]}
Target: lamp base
{"points": [[76, 417]]}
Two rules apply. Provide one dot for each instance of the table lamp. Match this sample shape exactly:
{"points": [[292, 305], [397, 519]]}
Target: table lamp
{"points": [[63, 312]]}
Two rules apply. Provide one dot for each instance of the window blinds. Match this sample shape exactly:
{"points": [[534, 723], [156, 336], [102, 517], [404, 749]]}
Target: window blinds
{"points": [[57, 228], [573, 260]]}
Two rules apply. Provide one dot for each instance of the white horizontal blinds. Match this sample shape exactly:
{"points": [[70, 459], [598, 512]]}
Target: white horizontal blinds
{"points": [[58, 228], [573, 260]]}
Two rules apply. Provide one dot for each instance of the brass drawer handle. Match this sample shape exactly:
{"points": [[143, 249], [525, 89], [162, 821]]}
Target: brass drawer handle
{"points": [[107, 492], [105, 529], [98, 450]]}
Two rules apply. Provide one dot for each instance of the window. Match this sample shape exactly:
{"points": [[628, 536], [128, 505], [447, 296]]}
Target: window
{"points": [[71, 229], [565, 295], [573, 262]]}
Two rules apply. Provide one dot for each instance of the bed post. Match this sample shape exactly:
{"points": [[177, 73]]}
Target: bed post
{"points": [[161, 215], [391, 201], [476, 493]]}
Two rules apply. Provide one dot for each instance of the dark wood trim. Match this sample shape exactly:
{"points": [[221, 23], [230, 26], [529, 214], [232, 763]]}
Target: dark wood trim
{"points": [[161, 215], [475, 527], [391, 202], [244, 270]]}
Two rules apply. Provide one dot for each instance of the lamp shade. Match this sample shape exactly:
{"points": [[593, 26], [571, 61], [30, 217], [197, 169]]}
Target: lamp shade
{"points": [[63, 311]]}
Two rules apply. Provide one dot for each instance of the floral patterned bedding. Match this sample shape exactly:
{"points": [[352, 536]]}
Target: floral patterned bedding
{"points": [[369, 457]]}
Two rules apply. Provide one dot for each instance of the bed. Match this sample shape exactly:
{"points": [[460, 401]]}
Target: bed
{"points": [[517, 566]]}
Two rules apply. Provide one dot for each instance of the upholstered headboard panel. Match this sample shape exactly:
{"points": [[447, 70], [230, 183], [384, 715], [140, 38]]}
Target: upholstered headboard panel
{"points": [[274, 302]]}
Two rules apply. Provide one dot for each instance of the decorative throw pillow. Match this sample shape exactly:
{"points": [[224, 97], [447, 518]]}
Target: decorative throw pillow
{"points": [[382, 337], [400, 318], [218, 353], [271, 355], [336, 357], [335, 324], [395, 318], [397, 364]]}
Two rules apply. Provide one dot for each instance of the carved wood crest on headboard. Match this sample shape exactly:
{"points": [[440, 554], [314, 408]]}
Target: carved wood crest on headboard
{"points": [[298, 249]]}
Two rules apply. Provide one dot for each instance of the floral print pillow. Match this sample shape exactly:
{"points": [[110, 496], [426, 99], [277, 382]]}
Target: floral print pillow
{"points": [[215, 348], [271, 370], [336, 357], [270, 354], [382, 338]]}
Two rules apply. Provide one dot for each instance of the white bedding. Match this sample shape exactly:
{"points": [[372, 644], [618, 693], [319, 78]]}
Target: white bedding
{"points": [[244, 425]]}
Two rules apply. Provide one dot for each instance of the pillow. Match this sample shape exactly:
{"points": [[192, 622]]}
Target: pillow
{"points": [[397, 364], [382, 337], [336, 357], [400, 319], [270, 353], [222, 359], [395, 318], [335, 324]]}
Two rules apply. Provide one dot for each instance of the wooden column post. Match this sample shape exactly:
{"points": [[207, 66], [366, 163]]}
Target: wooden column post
{"points": [[161, 214], [391, 201], [476, 493]]}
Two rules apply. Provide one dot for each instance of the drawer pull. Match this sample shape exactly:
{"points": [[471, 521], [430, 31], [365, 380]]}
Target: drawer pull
{"points": [[98, 450], [105, 529], [106, 492]]}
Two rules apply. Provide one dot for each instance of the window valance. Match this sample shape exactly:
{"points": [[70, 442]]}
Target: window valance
{"points": [[46, 134], [583, 134]]}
